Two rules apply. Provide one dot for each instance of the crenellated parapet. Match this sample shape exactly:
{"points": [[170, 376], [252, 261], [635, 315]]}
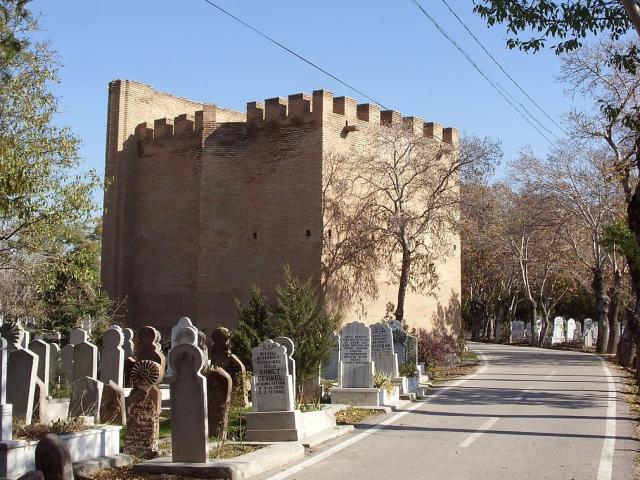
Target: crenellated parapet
{"points": [[321, 103]]}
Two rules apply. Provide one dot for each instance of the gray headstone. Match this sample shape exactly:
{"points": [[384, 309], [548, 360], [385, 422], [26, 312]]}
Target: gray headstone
{"points": [[356, 367], [331, 369], [127, 345], [86, 397], [272, 384], [517, 331], [400, 345], [412, 349], [112, 357], [78, 335], [6, 410], [288, 344], [185, 337], [189, 418], [66, 362], [21, 383], [54, 362], [395, 325], [43, 351], [382, 353], [85, 361]]}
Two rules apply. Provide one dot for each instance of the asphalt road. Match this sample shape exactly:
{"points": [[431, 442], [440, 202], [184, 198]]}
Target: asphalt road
{"points": [[526, 413]]}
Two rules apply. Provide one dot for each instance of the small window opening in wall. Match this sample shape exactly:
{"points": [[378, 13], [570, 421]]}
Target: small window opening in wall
{"points": [[329, 233], [454, 247], [308, 233], [255, 235]]}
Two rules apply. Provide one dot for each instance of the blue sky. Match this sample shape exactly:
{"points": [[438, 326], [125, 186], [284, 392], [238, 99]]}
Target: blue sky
{"points": [[386, 49]]}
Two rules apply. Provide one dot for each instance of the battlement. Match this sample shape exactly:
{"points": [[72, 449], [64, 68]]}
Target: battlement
{"points": [[303, 105], [299, 106]]}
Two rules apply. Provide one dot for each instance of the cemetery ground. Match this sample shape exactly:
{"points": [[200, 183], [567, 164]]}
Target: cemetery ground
{"points": [[525, 413]]}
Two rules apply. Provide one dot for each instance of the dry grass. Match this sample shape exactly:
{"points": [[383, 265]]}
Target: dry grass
{"points": [[354, 415], [231, 450], [36, 431], [439, 374]]}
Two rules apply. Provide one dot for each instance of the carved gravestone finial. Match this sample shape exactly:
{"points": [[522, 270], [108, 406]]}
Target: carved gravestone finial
{"points": [[13, 333], [143, 415]]}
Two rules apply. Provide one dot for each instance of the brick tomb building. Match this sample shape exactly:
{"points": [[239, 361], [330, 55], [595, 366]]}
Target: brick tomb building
{"points": [[204, 202]]}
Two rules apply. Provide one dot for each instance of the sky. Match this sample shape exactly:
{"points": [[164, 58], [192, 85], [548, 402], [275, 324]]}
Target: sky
{"points": [[387, 49]]}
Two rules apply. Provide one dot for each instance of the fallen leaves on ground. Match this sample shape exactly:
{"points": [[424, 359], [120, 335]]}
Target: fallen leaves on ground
{"points": [[352, 416]]}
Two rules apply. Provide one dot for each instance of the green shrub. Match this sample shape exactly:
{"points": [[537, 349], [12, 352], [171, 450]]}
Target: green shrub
{"points": [[294, 314]]}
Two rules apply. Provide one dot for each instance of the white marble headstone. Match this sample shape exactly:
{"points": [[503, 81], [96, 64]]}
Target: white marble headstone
{"points": [[558, 330], [272, 383], [382, 353], [112, 356], [356, 367], [331, 368]]}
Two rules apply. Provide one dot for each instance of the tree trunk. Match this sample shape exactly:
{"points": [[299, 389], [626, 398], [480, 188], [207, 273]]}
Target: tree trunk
{"points": [[534, 315], [489, 336], [602, 309], [626, 346], [404, 282], [614, 310], [476, 320], [500, 321], [633, 219], [543, 330]]}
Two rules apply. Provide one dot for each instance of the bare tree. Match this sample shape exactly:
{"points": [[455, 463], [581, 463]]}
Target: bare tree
{"points": [[409, 183]]}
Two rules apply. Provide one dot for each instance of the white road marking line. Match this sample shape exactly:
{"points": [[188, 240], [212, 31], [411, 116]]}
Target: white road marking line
{"points": [[361, 436], [605, 469], [551, 375], [478, 433]]}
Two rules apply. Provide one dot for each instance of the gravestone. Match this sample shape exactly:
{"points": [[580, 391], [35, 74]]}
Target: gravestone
{"points": [[112, 357], [185, 336], [143, 414], [40, 402], [219, 391], [412, 349], [184, 322], [6, 410], [356, 367], [395, 325], [595, 332], [22, 371], [78, 335], [517, 331], [577, 334], [221, 356], [85, 361], [558, 331], [13, 333], [331, 368], [86, 396], [288, 344], [113, 407], [127, 344], [54, 362], [53, 458], [588, 324], [66, 362], [272, 385], [382, 353], [43, 351], [571, 328], [400, 345], [189, 419], [146, 347], [26, 339]]}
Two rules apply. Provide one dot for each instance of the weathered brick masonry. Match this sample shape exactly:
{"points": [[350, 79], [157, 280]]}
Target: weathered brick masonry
{"points": [[205, 202]]}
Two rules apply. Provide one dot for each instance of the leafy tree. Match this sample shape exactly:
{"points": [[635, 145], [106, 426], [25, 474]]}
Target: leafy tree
{"points": [[253, 323], [294, 314], [44, 199]]}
